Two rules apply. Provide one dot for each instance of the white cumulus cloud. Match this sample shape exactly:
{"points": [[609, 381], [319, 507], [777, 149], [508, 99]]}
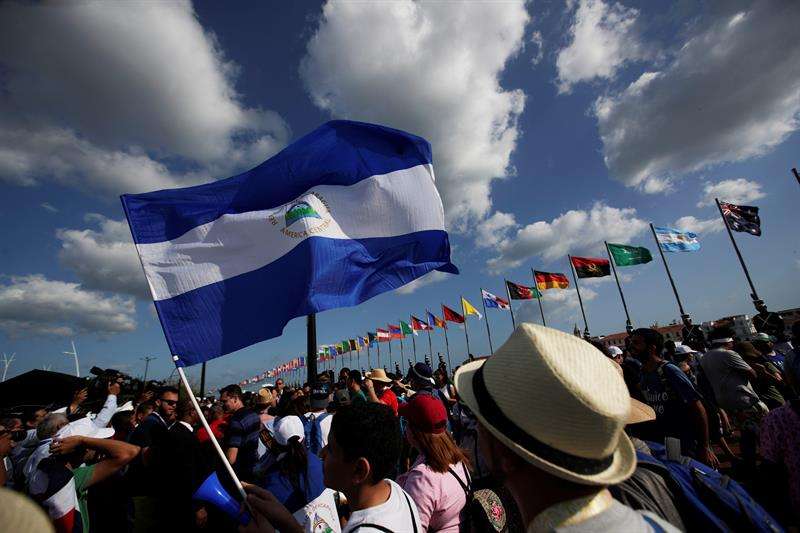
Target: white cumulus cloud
{"points": [[603, 38], [579, 231], [428, 279], [699, 226], [104, 259], [737, 191], [36, 305], [433, 69], [732, 92], [100, 95]]}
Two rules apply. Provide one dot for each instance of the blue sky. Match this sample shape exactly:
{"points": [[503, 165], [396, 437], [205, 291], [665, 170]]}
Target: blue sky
{"points": [[554, 126]]}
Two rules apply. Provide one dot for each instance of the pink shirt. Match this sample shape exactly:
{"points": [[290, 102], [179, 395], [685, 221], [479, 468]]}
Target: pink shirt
{"points": [[439, 497]]}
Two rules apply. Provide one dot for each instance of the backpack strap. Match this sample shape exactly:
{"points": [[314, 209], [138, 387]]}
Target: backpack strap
{"points": [[464, 486]]}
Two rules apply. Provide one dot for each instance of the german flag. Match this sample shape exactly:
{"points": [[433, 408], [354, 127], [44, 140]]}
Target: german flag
{"points": [[590, 267], [550, 280]]}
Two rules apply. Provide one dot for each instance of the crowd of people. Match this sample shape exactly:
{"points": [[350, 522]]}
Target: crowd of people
{"points": [[551, 433]]}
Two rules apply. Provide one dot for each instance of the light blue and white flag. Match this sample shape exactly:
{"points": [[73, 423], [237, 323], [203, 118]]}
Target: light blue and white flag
{"points": [[341, 215], [672, 240]]}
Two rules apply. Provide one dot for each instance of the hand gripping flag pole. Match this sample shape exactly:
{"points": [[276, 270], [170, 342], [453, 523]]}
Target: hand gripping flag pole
{"points": [[211, 436]]}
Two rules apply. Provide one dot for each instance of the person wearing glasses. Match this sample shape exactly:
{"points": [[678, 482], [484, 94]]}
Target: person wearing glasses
{"points": [[151, 431]]}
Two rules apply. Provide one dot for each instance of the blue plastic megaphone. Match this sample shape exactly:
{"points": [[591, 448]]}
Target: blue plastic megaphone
{"points": [[211, 491]]}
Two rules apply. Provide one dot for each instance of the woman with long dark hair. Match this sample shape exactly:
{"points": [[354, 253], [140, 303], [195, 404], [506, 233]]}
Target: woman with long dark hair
{"points": [[296, 476], [439, 479]]}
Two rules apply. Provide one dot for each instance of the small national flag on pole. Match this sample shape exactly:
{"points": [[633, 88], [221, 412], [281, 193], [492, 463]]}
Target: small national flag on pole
{"points": [[383, 335], [372, 337], [672, 240], [550, 280], [353, 345], [395, 332], [451, 316], [435, 321], [591, 267], [625, 255], [406, 329], [742, 218], [419, 325], [469, 309], [522, 292], [491, 300]]}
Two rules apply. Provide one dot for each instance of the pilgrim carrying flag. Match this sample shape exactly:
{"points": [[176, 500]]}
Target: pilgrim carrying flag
{"points": [[451, 316], [590, 267], [341, 215], [550, 280], [490, 300], [672, 240], [521, 292], [742, 218]]}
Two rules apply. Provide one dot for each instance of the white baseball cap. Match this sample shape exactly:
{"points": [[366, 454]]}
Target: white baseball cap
{"points": [[683, 349], [287, 427], [614, 350]]}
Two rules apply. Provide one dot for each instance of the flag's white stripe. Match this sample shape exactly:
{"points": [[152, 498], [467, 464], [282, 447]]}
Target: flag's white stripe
{"points": [[680, 238], [387, 205]]}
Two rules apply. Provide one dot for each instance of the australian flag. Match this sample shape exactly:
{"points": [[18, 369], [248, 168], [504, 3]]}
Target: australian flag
{"points": [[742, 218]]}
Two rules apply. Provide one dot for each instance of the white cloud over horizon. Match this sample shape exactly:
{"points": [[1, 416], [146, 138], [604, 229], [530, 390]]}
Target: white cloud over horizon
{"points": [[735, 191], [730, 93], [36, 305], [581, 231], [431, 70], [73, 115]]}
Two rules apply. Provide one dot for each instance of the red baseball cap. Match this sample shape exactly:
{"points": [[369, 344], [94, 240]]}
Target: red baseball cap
{"points": [[426, 413]]}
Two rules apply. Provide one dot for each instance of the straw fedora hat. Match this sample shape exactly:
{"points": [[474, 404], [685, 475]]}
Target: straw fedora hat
{"points": [[557, 402], [378, 374]]}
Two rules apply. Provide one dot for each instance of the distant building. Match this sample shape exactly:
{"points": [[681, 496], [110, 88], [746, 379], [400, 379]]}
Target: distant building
{"points": [[742, 325], [671, 332], [790, 316]]}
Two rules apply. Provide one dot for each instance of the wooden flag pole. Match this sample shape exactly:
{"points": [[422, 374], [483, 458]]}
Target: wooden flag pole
{"points": [[510, 306], [211, 436], [311, 349], [580, 300], [486, 315], [628, 324], [466, 332], [669, 274], [539, 297], [753, 293]]}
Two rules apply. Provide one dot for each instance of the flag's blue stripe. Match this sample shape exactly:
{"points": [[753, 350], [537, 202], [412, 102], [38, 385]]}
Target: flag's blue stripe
{"points": [[679, 247], [318, 274], [490, 303], [338, 153]]}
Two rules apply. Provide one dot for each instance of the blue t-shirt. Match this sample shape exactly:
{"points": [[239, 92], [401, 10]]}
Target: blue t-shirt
{"points": [[242, 433], [293, 499], [669, 392]]}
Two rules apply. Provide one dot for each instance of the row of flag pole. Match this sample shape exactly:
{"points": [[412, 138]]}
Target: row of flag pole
{"points": [[736, 218]]}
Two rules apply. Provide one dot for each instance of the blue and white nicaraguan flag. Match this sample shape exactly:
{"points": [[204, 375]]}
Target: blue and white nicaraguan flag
{"points": [[672, 240], [341, 215]]}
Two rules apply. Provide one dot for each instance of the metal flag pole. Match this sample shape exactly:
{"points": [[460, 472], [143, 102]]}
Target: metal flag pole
{"points": [[796, 175], [369, 355], [378, 342], [488, 331], [580, 300], [358, 353], [311, 349], [628, 324], [538, 297], [446, 343], [413, 340], [430, 342], [753, 293], [669, 274], [211, 436], [466, 332], [402, 353], [389, 342], [510, 306]]}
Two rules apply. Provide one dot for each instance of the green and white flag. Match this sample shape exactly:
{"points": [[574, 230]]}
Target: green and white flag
{"points": [[625, 255], [406, 329]]}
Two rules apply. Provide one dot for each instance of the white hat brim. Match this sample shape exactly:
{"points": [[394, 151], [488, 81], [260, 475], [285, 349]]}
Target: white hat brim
{"points": [[624, 457]]}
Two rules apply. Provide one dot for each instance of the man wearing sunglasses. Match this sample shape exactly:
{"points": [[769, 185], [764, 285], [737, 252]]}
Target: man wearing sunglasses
{"points": [[152, 431]]}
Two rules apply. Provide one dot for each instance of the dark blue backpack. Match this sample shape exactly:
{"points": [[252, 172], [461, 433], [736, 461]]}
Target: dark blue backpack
{"points": [[710, 501]]}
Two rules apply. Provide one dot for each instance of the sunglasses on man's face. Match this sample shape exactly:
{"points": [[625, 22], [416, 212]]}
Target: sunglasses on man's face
{"points": [[171, 403]]}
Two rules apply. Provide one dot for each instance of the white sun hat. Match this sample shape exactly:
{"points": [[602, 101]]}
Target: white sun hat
{"points": [[615, 350], [557, 402], [287, 427]]}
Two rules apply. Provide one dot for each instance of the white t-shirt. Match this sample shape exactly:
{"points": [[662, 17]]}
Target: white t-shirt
{"points": [[325, 429], [398, 513]]}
